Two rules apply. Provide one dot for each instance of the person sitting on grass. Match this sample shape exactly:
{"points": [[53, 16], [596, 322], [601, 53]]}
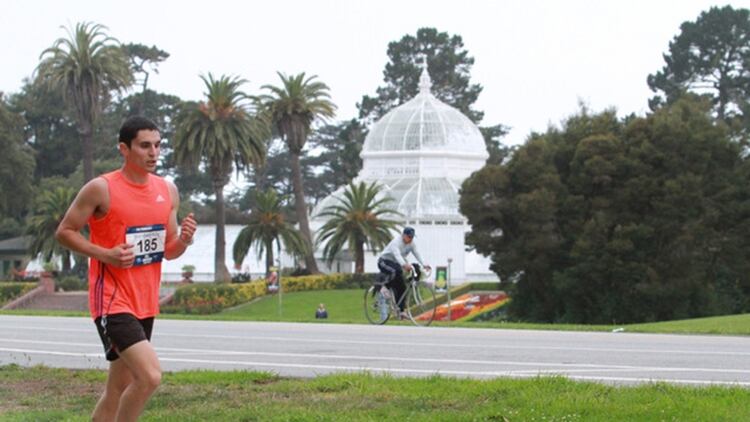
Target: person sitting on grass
{"points": [[321, 312]]}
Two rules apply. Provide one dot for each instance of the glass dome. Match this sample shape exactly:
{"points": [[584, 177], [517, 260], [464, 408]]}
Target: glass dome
{"points": [[425, 123], [420, 152]]}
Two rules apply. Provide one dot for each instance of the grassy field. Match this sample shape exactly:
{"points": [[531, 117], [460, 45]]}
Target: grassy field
{"points": [[45, 394], [345, 306]]}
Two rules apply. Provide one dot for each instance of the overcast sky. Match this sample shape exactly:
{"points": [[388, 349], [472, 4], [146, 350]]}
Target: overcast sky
{"points": [[535, 59]]}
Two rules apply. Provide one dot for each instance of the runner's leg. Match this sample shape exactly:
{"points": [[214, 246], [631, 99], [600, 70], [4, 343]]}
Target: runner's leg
{"points": [[118, 379], [144, 366]]}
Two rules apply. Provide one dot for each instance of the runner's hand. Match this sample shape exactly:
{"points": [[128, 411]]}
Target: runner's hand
{"points": [[121, 256], [407, 267], [187, 229]]}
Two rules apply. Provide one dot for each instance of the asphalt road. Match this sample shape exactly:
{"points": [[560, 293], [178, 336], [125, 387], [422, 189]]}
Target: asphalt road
{"points": [[311, 349]]}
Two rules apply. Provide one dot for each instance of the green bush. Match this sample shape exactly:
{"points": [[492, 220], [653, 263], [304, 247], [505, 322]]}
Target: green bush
{"points": [[486, 285], [71, 283], [10, 291], [326, 282], [212, 298]]}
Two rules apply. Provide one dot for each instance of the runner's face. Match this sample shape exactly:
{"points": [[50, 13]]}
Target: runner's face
{"points": [[144, 150]]}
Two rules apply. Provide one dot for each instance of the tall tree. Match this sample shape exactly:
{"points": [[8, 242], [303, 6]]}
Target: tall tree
{"points": [[220, 132], [611, 220], [293, 107], [48, 212], [86, 67], [359, 219], [143, 61], [449, 64], [267, 224], [450, 67], [709, 56], [339, 160], [16, 166], [51, 129]]}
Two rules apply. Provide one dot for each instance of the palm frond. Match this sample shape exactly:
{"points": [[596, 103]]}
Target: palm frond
{"points": [[356, 219]]}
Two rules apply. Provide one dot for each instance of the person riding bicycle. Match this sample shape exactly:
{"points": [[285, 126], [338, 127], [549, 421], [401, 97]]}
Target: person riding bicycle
{"points": [[392, 263]]}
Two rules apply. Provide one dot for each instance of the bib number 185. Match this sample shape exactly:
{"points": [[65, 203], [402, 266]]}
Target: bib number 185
{"points": [[148, 243]]}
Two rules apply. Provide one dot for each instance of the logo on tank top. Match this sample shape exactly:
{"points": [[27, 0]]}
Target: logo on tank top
{"points": [[160, 198]]}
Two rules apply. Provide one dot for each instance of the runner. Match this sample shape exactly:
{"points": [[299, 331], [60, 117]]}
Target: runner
{"points": [[132, 217]]}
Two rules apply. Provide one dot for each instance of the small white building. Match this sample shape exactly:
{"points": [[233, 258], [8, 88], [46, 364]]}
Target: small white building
{"points": [[421, 152]]}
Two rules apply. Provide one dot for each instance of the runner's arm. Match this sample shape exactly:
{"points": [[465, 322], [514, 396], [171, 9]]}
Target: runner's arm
{"points": [[177, 242], [94, 195]]}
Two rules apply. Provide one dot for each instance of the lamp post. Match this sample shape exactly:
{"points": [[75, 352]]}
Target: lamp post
{"points": [[278, 274], [448, 287]]}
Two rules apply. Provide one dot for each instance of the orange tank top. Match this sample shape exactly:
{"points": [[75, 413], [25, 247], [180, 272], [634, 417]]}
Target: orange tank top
{"points": [[138, 214]]}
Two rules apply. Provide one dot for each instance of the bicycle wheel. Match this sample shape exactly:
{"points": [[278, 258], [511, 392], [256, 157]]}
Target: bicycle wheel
{"points": [[377, 306], [420, 303]]}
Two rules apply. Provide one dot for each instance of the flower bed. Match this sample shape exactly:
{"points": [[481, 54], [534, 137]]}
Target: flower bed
{"points": [[470, 305]]}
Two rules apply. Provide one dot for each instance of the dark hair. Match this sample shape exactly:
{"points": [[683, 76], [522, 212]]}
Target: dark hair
{"points": [[132, 125]]}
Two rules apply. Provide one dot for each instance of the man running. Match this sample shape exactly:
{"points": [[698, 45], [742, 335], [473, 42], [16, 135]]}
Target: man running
{"points": [[132, 218], [393, 259]]}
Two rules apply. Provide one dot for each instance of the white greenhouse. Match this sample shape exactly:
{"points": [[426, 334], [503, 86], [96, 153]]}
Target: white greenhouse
{"points": [[421, 152]]}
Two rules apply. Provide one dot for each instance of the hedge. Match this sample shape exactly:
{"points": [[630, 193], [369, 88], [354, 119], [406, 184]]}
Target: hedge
{"points": [[12, 290], [326, 282], [212, 298]]}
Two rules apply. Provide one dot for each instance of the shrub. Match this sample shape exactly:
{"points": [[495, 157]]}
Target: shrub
{"points": [[326, 282], [71, 283], [10, 291], [212, 298]]}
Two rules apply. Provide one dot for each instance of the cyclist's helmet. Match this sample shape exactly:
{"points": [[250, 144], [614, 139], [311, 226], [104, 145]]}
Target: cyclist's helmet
{"points": [[409, 231]]}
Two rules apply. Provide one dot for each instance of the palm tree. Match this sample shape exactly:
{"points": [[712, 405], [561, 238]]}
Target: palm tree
{"points": [[221, 132], [293, 107], [86, 67], [357, 220], [51, 208], [267, 223]]}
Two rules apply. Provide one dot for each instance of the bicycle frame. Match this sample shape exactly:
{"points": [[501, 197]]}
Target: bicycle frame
{"points": [[412, 296]]}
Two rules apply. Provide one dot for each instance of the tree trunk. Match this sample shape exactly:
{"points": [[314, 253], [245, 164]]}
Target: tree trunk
{"points": [[301, 209], [86, 133], [66, 262], [359, 257], [269, 258], [221, 273], [142, 103]]}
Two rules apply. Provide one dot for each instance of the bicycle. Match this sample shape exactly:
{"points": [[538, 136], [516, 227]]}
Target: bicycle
{"points": [[420, 307]]}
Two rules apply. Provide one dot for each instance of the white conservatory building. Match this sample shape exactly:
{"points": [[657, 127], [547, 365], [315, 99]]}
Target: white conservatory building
{"points": [[421, 152]]}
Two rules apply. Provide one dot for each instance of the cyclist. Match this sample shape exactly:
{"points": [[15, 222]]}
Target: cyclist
{"points": [[392, 263]]}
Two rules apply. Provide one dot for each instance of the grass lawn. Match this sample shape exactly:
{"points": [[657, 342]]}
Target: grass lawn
{"points": [[728, 324], [45, 394], [344, 306]]}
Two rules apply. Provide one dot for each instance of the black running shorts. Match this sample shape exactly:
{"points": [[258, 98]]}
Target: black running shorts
{"points": [[122, 331]]}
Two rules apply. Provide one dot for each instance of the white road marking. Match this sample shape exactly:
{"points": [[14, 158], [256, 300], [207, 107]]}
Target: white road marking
{"points": [[564, 366], [419, 344]]}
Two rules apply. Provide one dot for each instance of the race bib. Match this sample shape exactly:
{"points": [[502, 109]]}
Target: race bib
{"points": [[148, 243]]}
